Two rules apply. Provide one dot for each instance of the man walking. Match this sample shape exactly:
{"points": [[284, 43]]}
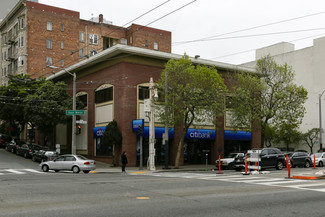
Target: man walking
{"points": [[124, 161]]}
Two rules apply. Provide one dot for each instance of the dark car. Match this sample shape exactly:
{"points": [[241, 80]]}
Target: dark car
{"points": [[4, 139], [42, 155], [27, 150], [13, 145], [300, 159], [268, 158]]}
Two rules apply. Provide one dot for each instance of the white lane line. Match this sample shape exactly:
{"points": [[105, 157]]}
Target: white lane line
{"points": [[308, 185], [281, 182], [258, 181], [1, 174], [14, 171], [33, 171]]}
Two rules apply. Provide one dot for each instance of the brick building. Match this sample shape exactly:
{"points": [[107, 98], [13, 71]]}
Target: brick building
{"points": [[34, 36], [114, 83]]}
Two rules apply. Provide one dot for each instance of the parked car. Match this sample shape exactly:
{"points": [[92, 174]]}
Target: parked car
{"points": [[4, 139], [13, 145], [300, 159], [43, 155], [74, 163], [319, 157], [239, 162], [268, 158], [228, 161], [27, 150]]}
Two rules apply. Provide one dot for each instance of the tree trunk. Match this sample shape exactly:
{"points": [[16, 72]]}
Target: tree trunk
{"points": [[179, 149]]}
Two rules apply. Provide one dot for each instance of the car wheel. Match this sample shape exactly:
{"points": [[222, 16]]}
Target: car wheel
{"points": [[25, 155], [6, 148], [56, 171], [75, 169], [279, 165], [86, 171], [33, 159], [45, 168], [307, 164], [321, 164]]}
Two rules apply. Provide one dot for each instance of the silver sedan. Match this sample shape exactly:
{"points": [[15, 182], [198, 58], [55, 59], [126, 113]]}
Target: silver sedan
{"points": [[74, 163]]}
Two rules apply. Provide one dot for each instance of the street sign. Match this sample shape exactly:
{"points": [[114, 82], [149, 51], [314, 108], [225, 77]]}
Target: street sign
{"points": [[81, 122], [75, 112]]}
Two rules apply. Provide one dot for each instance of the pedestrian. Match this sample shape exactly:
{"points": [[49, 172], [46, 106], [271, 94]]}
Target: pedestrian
{"points": [[124, 161]]}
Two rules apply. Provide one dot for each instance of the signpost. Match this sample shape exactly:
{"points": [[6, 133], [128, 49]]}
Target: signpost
{"points": [[75, 112]]}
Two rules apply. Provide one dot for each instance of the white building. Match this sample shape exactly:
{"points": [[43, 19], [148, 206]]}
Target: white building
{"points": [[309, 67]]}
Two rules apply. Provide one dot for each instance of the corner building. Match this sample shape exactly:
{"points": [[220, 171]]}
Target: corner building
{"points": [[114, 84]]}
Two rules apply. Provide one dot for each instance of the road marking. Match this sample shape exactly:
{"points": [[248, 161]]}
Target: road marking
{"points": [[308, 185], [33, 171], [14, 171], [142, 198]]}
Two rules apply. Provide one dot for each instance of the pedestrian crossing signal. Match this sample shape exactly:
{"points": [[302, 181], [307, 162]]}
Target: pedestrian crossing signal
{"points": [[79, 129]]}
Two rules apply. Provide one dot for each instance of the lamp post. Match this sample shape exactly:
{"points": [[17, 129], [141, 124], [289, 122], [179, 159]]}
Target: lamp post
{"points": [[153, 95], [320, 120], [166, 123], [73, 139]]}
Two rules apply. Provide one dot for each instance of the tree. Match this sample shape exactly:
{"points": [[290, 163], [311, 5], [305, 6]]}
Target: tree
{"points": [[12, 102], [112, 137], [268, 98], [45, 108], [311, 137], [195, 93]]}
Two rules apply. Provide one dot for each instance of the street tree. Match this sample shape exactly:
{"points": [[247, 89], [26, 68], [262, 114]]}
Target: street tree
{"points": [[268, 98], [12, 102], [311, 138], [45, 108], [195, 94], [112, 137]]}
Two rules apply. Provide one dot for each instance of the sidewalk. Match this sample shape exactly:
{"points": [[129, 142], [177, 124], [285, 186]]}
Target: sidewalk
{"points": [[108, 168]]}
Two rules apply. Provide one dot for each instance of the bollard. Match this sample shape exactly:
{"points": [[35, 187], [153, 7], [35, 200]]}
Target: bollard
{"points": [[289, 167], [287, 162], [219, 165], [256, 166], [245, 164], [314, 161]]}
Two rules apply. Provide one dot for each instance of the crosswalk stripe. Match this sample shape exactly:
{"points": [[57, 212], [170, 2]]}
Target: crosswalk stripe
{"points": [[257, 181], [308, 185], [33, 171], [281, 182], [14, 171]]}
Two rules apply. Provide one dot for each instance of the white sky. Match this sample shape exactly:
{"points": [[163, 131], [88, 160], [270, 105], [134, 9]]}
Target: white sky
{"points": [[206, 18]]}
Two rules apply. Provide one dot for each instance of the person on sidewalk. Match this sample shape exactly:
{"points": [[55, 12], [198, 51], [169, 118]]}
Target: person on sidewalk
{"points": [[124, 161]]}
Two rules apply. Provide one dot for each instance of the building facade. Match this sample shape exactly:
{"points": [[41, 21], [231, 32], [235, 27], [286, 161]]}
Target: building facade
{"points": [[35, 36], [308, 65], [114, 84]]}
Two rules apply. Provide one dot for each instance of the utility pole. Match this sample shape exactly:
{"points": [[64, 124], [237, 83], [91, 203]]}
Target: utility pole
{"points": [[320, 120], [166, 123], [153, 95]]}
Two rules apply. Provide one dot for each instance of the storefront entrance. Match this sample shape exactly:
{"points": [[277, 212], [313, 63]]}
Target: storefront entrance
{"points": [[197, 151]]}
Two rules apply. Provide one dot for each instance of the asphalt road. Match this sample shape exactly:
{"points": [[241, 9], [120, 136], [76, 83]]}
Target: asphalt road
{"points": [[36, 194]]}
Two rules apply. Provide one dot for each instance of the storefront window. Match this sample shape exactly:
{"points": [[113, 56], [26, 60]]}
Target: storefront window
{"points": [[102, 150]]}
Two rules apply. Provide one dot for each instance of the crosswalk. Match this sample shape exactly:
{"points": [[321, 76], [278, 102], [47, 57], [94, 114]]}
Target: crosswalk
{"points": [[311, 185], [19, 171]]}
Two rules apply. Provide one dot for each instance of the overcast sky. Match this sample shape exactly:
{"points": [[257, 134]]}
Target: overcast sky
{"points": [[297, 21]]}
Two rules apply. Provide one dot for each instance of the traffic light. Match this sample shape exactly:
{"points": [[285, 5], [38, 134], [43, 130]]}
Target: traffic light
{"points": [[79, 129]]}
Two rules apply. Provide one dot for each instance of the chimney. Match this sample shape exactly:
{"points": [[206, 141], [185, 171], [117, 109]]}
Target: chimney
{"points": [[101, 18]]}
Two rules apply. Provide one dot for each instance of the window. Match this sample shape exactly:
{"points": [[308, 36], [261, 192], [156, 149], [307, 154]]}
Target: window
{"points": [[62, 45], [93, 39], [92, 52], [62, 63], [22, 23], [146, 43], [48, 43], [83, 99], [124, 41], [21, 41], [21, 61], [48, 61], [81, 53], [143, 93], [104, 95], [62, 27], [155, 45], [49, 25], [81, 36], [5, 55], [16, 30]]}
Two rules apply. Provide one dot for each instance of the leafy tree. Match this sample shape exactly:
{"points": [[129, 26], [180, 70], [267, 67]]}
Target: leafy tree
{"points": [[45, 108], [268, 98], [194, 94], [112, 137], [12, 102], [311, 137]]}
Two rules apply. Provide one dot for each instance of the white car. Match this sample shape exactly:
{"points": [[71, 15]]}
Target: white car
{"points": [[319, 157], [74, 163], [228, 161]]}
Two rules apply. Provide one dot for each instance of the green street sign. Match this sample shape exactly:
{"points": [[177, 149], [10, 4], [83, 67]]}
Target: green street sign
{"points": [[75, 112]]}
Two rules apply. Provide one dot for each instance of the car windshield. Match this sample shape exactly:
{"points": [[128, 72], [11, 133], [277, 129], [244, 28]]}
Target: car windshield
{"points": [[318, 154], [50, 153], [82, 157], [232, 155]]}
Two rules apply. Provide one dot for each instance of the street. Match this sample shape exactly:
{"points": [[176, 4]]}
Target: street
{"points": [[30, 192]]}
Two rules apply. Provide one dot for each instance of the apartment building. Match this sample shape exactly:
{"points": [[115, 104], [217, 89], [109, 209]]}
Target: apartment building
{"points": [[35, 36]]}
